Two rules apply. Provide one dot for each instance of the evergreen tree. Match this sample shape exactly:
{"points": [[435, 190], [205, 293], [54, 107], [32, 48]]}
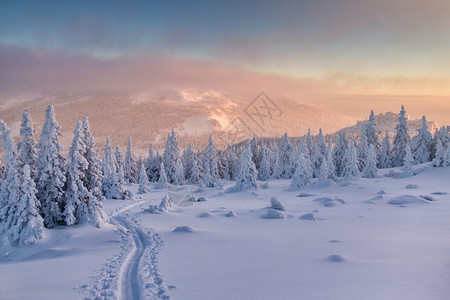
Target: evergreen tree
{"points": [[195, 172], [112, 185], [187, 159], [172, 160], [246, 176], [286, 162], [339, 151], [50, 171], [162, 181], [446, 158], [130, 169], [149, 161], [330, 162], [350, 169], [434, 144], [370, 167], [363, 149], [384, 160], [118, 158], [371, 132], [210, 174], [264, 166], [401, 140], [438, 160], [303, 171], [93, 177], [27, 146], [421, 144], [19, 217], [407, 168], [324, 170], [143, 181]]}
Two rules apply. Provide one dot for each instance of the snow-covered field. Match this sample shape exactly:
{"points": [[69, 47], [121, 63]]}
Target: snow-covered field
{"points": [[382, 238]]}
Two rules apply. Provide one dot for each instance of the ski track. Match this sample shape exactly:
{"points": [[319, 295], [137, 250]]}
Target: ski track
{"points": [[133, 273]]}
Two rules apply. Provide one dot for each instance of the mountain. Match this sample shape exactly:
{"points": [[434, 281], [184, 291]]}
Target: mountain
{"points": [[194, 115]]}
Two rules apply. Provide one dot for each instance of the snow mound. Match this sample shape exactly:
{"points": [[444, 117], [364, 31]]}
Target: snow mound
{"points": [[205, 215], [412, 186], [439, 193], [334, 241], [202, 199], [264, 186], [230, 214], [152, 209], [192, 199], [166, 204], [426, 197], [273, 214], [336, 258], [381, 192], [310, 217], [406, 199], [303, 195], [277, 204], [184, 229], [328, 202]]}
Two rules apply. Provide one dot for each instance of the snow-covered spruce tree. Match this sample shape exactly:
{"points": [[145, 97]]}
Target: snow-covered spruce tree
{"points": [[93, 177], [143, 181], [27, 146], [19, 216], [286, 161], [112, 187], [223, 165], [149, 161], [438, 159], [118, 157], [162, 181], [320, 143], [384, 158], [421, 144], [50, 174], [172, 160], [407, 168], [401, 140], [210, 174], [370, 166], [309, 143], [363, 148], [446, 158], [303, 170], [317, 161], [371, 132], [247, 174], [232, 161], [187, 160], [265, 164], [350, 168], [339, 151], [130, 168], [2, 172], [195, 172], [444, 135], [330, 162], [324, 170]]}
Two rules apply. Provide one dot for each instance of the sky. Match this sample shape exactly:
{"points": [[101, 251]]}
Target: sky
{"points": [[355, 47]]}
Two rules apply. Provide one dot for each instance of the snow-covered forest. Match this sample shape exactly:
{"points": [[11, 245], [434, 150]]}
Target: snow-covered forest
{"points": [[41, 188]]}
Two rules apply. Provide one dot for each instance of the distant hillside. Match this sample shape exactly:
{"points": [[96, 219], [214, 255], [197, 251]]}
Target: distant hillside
{"points": [[148, 118]]}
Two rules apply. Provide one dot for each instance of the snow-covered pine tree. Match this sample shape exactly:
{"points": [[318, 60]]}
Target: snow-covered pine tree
{"points": [[223, 166], [407, 168], [50, 176], [187, 159], [27, 146], [130, 168], [286, 161], [363, 148], [421, 144], [330, 162], [309, 143], [370, 166], [118, 157], [195, 172], [162, 181], [316, 161], [172, 160], [232, 161], [446, 158], [384, 159], [247, 174], [303, 170], [350, 168], [149, 161], [438, 159], [324, 170], [112, 187], [210, 174], [401, 140], [2, 171], [371, 132], [320, 143], [143, 181], [19, 216], [77, 195], [94, 176], [339, 151], [265, 164]]}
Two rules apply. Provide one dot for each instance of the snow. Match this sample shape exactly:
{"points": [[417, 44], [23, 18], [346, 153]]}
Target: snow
{"points": [[393, 247]]}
